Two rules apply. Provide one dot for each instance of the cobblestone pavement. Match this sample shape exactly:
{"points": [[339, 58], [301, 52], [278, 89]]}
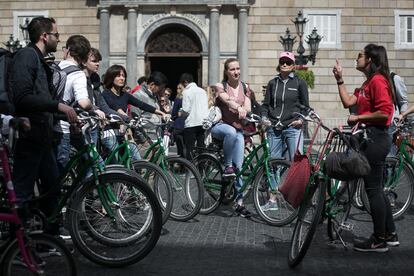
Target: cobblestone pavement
{"points": [[224, 244]]}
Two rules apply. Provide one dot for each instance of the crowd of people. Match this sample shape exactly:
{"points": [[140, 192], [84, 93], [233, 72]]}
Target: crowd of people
{"points": [[44, 150]]}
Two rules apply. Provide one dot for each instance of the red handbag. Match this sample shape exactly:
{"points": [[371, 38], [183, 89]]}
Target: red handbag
{"points": [[294, 185]]}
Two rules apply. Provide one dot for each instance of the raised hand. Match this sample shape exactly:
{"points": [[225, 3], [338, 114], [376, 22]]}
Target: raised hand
{"points": [[337, 71]]}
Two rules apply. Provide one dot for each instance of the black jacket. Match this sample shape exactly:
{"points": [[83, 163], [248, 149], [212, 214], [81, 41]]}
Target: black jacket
{"points": [[31, 91], [280, 101]]}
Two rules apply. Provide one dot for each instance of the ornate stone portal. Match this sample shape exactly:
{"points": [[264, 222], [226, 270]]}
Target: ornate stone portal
{"points": [[188, 35]]}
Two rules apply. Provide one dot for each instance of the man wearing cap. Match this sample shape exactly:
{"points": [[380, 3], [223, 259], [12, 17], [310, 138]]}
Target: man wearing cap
{"points": [[283, 94]]}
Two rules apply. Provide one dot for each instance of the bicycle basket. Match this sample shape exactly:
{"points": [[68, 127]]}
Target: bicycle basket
{"points": [[294, 186]]}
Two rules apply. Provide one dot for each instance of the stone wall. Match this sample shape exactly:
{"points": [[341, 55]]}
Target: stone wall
{"points": [[363, 22]]}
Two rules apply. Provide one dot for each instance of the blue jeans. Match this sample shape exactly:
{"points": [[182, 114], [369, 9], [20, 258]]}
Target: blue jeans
{"points": [[391, 129], [279, 140], [62, 149], [233, 147], [110, 140]]}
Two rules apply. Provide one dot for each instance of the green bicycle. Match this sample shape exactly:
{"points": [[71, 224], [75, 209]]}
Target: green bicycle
{"points": [[399, 175], [259, 172], [324, 197], [113, 216], [185, 182], [159, 181]]}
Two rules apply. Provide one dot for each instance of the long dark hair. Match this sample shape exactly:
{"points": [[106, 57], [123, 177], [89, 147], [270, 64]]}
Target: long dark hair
{"points": [[379, 64], [111, 74], [226, 67]]}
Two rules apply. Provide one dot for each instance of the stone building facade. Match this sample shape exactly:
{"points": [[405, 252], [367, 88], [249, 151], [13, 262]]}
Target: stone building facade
{"points": [[174, 36]]}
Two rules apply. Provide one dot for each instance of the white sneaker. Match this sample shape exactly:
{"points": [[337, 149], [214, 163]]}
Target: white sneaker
{"points": [[269, 206]]}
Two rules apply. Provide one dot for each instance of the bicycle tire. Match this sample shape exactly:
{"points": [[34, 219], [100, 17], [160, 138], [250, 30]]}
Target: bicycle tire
{"points": [[358, 201], [159, 182], [339, 211], [400, 193], [314, 200], [285, 213], [211, 173], [49, 253], [187, 188], [121, 240]]}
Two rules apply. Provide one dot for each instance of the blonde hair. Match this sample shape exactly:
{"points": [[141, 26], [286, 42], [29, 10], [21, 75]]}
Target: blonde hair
{"points": [[211, 94]]}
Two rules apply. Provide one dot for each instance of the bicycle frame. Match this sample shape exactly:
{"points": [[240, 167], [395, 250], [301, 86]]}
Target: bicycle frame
{"points": [[403, 155], [82, 166], [262, 160], [321, 155], [13, 216], [123, 159]]}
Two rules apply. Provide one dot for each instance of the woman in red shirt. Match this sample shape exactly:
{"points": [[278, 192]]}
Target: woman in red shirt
{"points": [[374, 101]]}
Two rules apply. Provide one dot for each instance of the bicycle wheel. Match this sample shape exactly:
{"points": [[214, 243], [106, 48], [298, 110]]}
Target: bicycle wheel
{"points": [[46, 252], [211, 174], [159, 182], [398, 188], [360, 196], [338, 207], [123, 237], [284, 213], [187, 188], [310, 212]]}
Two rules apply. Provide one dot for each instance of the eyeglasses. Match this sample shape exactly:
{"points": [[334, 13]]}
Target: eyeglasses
{"points": [[360, 55], [287, 62], [54, 34]]}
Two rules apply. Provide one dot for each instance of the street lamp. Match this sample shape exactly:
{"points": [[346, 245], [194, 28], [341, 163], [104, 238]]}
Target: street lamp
{"points": [[313, 40], [14, 45]]}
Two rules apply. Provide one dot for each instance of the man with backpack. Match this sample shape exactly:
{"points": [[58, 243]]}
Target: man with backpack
{"points": [[400, 106], [31, 92], [75, 54]]}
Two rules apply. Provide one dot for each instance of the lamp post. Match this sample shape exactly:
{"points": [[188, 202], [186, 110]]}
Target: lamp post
{"points": [[313, 40], [14, 45]]}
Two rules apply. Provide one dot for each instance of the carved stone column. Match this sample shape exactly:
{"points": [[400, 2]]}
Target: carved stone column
{"points": [[104, 38], [131, 57], [214, 45], [242, 42]]}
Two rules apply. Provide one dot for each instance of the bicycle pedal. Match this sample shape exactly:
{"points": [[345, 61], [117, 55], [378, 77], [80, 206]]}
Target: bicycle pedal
{"points": [[346, 226]]}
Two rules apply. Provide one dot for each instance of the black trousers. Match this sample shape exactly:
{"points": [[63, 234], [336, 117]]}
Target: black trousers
{"points": [[377, 148], [179, 142], [191, 136], [31, 163]]}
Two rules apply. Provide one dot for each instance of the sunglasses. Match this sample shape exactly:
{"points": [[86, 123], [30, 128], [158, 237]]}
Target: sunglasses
{"points": [[287, 62], [54, 34]]}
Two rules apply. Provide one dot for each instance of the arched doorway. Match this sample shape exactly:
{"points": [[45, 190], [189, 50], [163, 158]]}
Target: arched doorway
{"points": [[174, 49]]}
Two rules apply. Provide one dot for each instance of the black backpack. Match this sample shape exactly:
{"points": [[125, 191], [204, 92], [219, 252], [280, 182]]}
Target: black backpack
{"points": [[6, 106]]}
